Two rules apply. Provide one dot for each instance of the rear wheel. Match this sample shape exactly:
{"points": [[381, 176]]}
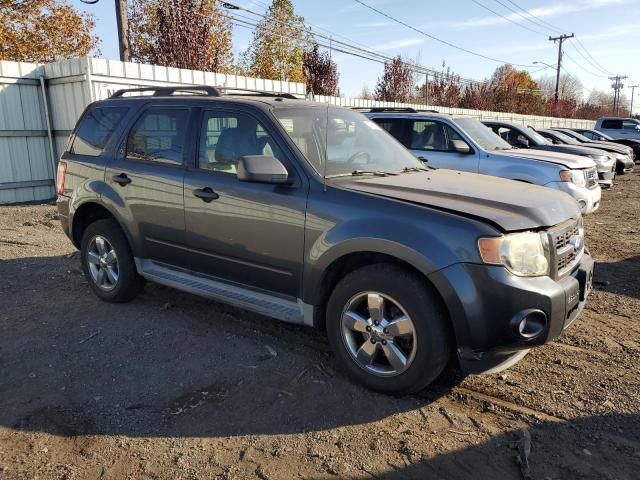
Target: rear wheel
{"points": [[388, 329], [108, 263]]}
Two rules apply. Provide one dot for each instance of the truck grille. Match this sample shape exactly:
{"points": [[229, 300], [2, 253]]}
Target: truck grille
{"points": [[567, 247], [592, 177]]}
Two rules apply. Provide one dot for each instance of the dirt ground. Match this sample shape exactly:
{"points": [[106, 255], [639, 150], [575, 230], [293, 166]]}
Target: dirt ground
{"points": [[172, 386]]}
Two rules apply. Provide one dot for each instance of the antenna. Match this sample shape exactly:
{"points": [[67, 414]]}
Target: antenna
{"points": [[326, 130]]}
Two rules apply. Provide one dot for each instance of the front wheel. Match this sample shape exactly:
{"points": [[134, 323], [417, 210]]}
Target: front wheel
{"points": [[388, 329]]}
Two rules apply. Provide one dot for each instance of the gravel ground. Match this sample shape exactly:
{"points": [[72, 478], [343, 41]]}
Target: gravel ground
{"points": [[171, 386]]}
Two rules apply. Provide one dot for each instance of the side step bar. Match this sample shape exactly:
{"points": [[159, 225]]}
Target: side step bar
{"points": [[263, 303]]}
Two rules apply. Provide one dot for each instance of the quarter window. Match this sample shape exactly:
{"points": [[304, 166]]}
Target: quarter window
{"points": [[159, 135], [227, 137], [630, 125], [96, 129]]}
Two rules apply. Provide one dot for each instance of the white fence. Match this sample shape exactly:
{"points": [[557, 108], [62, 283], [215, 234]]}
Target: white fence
{"points": [[533, 120], [40, 104]]}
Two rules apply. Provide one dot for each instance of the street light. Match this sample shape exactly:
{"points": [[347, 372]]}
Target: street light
{"points": [[544, 63]]}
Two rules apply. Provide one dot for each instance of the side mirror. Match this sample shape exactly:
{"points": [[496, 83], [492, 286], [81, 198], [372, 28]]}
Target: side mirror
{"points": [[261, 169], [460, 146]]}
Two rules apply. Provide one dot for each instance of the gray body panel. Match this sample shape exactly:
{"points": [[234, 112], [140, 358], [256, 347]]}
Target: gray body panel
{"points": [[270, 248]]}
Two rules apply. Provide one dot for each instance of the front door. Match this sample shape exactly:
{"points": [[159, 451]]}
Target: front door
{"points": [[147, 175], [249, 233], [431, 139]]}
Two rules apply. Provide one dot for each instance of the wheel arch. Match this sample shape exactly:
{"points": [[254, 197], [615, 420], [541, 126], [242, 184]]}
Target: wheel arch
{"points": [[87, 213]]}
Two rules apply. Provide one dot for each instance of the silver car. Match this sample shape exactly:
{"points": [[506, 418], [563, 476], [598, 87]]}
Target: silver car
{"points": [[464, 143]]}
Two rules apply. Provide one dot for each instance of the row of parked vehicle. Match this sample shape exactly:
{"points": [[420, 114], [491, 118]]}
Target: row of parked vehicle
{"points": [[401, 251], [559, 158]]}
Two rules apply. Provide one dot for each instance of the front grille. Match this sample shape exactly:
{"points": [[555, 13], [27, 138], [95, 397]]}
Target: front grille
{"points": [[592, 177], [567, 247]]}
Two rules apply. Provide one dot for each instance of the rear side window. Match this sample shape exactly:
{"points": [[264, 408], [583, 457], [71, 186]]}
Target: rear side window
{"points": [[630, 124], [612, 124], [96, 129], [159, 135]]}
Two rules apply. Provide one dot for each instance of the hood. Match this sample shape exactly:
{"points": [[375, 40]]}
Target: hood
{"points": [[571, 149], [509, 205], [609, 147], [565, 159]]}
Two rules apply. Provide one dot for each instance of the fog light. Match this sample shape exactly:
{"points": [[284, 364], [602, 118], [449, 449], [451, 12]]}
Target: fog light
{"points": [[582, 204], [529, 324]]}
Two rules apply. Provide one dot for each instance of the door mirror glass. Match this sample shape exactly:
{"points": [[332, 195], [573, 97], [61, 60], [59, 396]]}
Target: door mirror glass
{"points": [[262, 169], [460, 146]]}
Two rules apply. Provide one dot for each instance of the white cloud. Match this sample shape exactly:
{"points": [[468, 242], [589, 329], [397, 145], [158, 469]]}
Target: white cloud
{"points": [[546, 11], [397, 44], [374, 24]]}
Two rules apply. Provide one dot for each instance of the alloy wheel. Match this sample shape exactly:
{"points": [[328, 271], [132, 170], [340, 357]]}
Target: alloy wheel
{"points": [[379, 334], [103, 263]]}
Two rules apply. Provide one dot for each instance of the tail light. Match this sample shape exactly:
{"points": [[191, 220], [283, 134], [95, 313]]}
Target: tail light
{"points": [[60, 177]]}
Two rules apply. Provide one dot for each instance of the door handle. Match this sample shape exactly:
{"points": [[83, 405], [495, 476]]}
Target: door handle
{"points": [[122, 179], [206, 194]]}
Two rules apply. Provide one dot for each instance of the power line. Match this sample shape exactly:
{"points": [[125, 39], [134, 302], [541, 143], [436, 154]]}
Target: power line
{"points": [[433, 37], [507, 18], [528, 19], [540, 21], [579, 65]]}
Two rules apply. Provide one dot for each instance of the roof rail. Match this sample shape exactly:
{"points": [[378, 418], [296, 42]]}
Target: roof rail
{"points": [[257, 93], [165, 91], [386, 109]]}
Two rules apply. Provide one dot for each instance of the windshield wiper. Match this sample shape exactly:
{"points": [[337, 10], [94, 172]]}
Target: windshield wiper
{"points": [[380, 173]]}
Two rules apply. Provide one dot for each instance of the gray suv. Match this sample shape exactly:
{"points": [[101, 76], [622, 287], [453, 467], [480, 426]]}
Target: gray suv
{"points": [[464, 143], [314, 215]]}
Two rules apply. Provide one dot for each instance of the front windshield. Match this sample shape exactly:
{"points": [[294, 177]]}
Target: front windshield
{"points": [[481, 134], [600, 135], [345, 144], [577, 136], [565, 138], [539, 139]]}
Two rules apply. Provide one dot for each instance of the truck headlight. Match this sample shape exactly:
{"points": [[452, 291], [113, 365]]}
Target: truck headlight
{"points": [[525, 254], [574, 176]]}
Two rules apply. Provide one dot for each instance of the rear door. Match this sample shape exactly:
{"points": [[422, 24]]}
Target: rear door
{"points": [[146, 177], [249, 233]]}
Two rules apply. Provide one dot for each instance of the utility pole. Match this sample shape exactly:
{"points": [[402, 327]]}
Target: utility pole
{"points": [[617, 86], [561, 39], [633, 89], [122, 21], [123, 29]]}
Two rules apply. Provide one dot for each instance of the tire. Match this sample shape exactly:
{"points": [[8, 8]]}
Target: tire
{"points": [[119, 281], [404, 293]]}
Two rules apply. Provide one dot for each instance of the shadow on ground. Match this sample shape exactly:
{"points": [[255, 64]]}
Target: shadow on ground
{"points": [[166, 364]]}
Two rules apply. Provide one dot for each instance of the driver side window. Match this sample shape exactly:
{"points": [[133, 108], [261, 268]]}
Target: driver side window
{"points": [[226, 137], [159, 136], [432, 135]]}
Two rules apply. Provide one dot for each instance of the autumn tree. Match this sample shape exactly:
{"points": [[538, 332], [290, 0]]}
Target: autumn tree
{"points": [[397, 82], [44, 31], [277, 48], [569, 87], [192, 34], [444, 89], [320, 72], [365, 93], [515, 91]]}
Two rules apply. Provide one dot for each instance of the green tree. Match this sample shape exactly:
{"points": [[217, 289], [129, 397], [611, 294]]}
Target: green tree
{"points": [[191, 34], [277, 48], [44, 31]]}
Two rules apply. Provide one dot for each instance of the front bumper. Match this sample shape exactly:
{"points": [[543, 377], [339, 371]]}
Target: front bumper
{"points": [[624, 165], [487, 303], [588, 198]]}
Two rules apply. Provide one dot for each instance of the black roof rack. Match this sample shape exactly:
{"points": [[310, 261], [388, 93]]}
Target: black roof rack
{"points": [[165, 91], [386, 109], [206, 90], [256, 93]]}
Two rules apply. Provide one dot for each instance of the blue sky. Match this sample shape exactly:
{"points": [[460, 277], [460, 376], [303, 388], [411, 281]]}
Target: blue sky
{"points": [[608, 29]]}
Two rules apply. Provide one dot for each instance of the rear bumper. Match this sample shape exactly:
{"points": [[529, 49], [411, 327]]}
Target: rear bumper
{"points": [[62, 203], [487, 305]]}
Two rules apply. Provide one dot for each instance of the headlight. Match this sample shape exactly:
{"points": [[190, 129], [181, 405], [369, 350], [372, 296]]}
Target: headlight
{"points": [[576, 177], [525, 254]]}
